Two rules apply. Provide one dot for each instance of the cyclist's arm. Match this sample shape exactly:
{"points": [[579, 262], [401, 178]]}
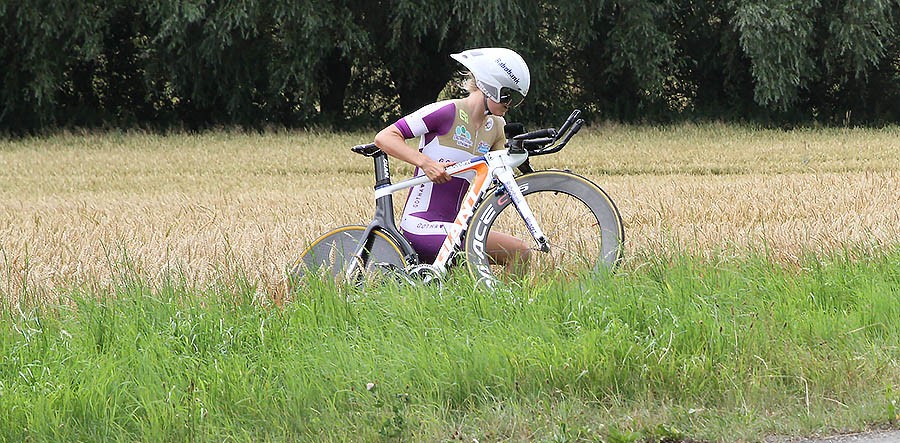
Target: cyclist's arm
{"points": [[391, 141]]}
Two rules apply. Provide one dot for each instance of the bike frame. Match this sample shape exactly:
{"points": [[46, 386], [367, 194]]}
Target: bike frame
{"points": [[493, 167]]}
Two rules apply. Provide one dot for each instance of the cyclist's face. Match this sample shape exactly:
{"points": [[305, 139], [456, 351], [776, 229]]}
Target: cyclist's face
{"points": [[498, 109]]}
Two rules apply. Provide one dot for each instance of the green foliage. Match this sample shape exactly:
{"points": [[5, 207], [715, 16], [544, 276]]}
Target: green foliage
{"points": [[815, 55], [673, 350], [261, 62], [777, 37], [859, 35], [43, 41]]}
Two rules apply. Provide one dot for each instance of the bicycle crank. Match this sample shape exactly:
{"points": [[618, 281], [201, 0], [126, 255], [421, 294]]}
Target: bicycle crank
{"points": [[425, 273]]}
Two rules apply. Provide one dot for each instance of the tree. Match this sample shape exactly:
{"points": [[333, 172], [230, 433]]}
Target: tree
{"points": [[198, 63], [810, 57]]}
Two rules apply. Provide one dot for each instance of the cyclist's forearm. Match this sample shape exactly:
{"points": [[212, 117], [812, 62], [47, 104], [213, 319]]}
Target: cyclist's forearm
{"points": [[392, 142]]}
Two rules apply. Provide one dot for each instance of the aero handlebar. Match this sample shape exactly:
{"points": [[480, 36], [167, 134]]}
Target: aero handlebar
{"points": [[542, 141], [538, 142]]}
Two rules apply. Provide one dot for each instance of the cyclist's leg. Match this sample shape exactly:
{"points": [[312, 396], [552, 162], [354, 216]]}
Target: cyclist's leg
{"points": [[425, 236], [426, 246], [508, 251]]}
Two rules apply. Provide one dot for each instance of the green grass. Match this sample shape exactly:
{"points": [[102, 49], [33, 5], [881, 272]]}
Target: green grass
{"points": [[674, 349]]}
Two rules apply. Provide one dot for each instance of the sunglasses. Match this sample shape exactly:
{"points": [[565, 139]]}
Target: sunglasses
{"points": [[507, 96], [510, 97]]}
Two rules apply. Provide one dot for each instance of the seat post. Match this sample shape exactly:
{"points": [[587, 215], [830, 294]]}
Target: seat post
{"points": [[384, 206], [382, 170]]}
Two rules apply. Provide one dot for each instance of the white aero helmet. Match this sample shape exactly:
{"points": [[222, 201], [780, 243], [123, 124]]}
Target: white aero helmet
{"points": [[499, 72]]}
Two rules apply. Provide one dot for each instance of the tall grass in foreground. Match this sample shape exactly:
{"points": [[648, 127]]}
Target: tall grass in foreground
{"points": [[680, 348]]}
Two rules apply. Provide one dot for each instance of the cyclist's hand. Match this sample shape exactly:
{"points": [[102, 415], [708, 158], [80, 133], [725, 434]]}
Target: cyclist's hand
{"points": [[437, 171]]}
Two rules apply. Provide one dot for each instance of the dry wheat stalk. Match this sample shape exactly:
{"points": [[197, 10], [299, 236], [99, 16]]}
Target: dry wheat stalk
{"points": [[75, 208]]}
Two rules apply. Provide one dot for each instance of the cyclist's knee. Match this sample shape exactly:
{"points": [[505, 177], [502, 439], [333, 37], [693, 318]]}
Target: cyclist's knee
{"points": [[505, 249]]}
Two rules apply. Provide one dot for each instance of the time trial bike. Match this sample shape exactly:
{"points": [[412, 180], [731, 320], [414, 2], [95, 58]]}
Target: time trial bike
{"points": [[574, 225]]}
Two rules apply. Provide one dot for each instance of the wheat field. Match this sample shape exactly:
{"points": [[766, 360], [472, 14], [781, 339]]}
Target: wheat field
{"points": [[81, 208]]}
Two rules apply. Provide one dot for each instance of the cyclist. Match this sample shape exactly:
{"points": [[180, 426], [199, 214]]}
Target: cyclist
{"points": [[451, 131]]}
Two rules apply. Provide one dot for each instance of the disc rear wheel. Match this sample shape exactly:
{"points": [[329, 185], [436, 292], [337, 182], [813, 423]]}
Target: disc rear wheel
{"points": [[331, 254]]}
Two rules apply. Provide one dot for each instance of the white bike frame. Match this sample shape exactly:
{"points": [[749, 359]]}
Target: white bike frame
{"points": [[493, 166]]}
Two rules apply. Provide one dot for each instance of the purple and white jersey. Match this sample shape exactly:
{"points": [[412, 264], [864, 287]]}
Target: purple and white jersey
{"points": [[446, 135]]}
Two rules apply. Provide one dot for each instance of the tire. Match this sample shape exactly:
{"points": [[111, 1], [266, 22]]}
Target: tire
{"points": [[582, 225], [331, 253]]}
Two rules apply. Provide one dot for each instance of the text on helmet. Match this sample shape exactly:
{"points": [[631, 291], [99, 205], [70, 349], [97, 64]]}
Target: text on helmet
{"points": [[507, 70]]}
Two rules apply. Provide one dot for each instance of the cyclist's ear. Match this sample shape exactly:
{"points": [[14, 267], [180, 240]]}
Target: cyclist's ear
{"points": [[513, 129]]}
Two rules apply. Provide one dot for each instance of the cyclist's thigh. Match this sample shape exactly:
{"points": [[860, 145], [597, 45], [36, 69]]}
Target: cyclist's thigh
{"points": [[503, 247], [425, 236], [427, 246]]}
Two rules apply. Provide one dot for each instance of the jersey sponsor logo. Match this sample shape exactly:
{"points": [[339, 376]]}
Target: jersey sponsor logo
{"points": [[483, 148], [464, 116], [463, 137], [430, 226], [416, 195], [489, 124]]}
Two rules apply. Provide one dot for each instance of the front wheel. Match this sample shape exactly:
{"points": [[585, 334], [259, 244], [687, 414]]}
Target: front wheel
{"points": [[581, 223], [332, 253]]}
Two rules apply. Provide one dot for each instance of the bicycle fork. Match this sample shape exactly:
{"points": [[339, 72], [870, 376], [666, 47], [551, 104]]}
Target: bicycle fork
{"points": [[508, 181]]}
